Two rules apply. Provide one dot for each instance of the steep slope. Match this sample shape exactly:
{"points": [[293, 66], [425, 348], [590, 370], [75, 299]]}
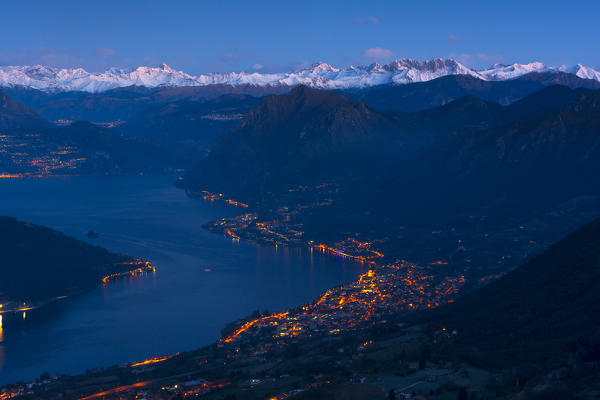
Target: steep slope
{"points": [[547, 310], [39, 263], [464, 113], [550, 99], [528, 165], [465, 170], [16, 116], [511, 154], [301, 137]]}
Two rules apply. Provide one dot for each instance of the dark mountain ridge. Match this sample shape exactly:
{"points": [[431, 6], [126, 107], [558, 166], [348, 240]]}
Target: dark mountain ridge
{"points": [[312, 135], [305, 135], [546, 158], [464, 172], [539, 324], [14, 115], [422, 95]]}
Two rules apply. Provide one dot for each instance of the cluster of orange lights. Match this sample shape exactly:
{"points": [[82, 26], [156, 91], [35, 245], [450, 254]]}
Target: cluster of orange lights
{"points": [[152, 360], [264, 227], [40, 174], [143, 267], [8, 395], [380, 290], [249, 324], [344, 254], [204, 388], [208, 196], [119, 389], [236, 203], [11, 176], [377, 292], [228, 232]]}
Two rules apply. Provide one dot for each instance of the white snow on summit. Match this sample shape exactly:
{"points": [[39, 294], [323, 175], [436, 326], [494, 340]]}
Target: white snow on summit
{"points": [[500, 72], [318, 75], [582, 72], [54, 79]]}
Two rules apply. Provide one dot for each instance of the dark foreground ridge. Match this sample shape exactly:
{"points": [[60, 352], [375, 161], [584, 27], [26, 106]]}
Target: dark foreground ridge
{"points": [[544, 312]]}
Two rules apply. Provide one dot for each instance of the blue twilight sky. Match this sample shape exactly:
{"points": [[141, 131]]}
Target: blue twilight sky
{"points": [[222, 35]]}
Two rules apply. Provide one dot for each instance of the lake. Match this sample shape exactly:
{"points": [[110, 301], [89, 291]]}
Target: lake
{"points": [[202, 281]]}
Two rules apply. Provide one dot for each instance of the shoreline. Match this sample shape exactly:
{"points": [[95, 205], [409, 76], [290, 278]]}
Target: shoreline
{"points": [[337, 299], [398, 278], [143, 266], [244, 225]]}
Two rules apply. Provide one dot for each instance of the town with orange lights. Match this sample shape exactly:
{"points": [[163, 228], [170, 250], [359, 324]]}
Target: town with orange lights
{"points": [[257, 355], [299, 200], [263, 342], [31, 156], [366, 302]]}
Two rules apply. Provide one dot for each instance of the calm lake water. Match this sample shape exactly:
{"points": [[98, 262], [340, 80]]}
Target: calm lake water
{"points": [[203, 280]]}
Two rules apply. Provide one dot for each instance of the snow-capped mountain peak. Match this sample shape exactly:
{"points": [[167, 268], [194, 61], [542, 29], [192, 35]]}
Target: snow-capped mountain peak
{"points": [[166, 68], [581, 71], [321, 67], [500, 72], [319, 75]]}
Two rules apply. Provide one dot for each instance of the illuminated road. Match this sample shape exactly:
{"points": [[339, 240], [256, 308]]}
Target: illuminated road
{"points": [[118, 390]]}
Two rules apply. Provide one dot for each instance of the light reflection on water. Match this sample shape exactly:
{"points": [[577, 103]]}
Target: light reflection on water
{"points": [[202, 280]]}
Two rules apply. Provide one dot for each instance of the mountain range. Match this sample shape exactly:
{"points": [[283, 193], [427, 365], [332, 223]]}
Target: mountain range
{"points": [[430, 156], [129, 103], [319, 75], [311, 134], [466, 168], [542, 152], [305, 135], [421, 95]]}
